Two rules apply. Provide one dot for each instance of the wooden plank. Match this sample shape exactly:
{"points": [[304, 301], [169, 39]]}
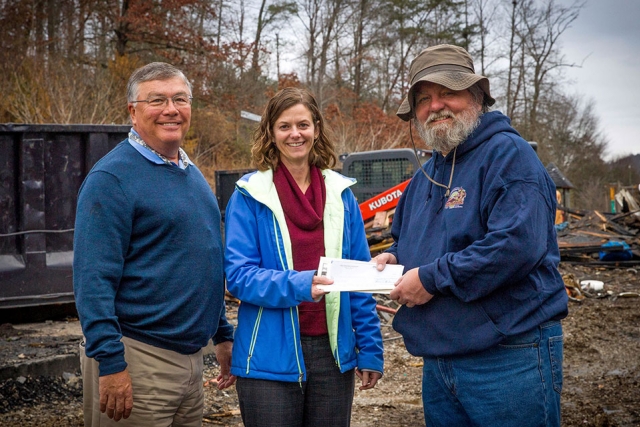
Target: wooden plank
{"points": [[381, 219], [599, 215], [592, 233]]}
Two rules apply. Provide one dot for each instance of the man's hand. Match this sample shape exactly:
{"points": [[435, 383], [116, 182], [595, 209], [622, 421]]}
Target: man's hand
{"points": [[409, 290], [116, 395], [383, 259], [316, 293], [223, 356], [369, 378]]}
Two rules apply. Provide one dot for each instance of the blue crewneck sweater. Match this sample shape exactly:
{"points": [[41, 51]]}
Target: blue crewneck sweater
{"points": [[147, 258], [488, 252]]}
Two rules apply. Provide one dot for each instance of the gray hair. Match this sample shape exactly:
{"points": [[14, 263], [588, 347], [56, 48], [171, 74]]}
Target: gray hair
{"points": [[153, 71], [479, 96]]}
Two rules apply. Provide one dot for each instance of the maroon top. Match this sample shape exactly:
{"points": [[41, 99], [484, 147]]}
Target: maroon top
{"points": [[303, 213]]}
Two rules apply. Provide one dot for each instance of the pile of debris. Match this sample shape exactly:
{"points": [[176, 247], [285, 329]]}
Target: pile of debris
{"points": [[604, 240], [30, 392], [600, 241]]}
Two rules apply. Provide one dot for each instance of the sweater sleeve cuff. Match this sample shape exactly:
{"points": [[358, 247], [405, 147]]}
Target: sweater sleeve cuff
{"points": [[392, 251], [373, 370], [307, 278], [112, 365], [224, 332], [425, 279]]}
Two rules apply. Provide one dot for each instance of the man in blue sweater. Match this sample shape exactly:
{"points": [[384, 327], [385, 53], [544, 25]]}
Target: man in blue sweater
{"points": [[482, 297], [148, 267]]}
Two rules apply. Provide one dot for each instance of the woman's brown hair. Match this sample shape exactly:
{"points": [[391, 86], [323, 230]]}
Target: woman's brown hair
{"points": [[264, 152]]}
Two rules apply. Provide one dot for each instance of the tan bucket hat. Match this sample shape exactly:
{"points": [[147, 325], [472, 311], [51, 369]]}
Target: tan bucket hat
{"points": [[446, 65]]}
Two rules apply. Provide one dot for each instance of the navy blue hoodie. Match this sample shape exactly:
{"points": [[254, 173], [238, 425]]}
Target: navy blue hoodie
{"points": [[488, 253]]}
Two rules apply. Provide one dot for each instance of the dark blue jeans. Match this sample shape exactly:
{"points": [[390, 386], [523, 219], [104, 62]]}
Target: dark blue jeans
{"points": [[517, 383], [323, 400]]}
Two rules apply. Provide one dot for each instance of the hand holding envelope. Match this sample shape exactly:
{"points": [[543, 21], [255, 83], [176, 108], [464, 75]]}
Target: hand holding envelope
{"points": [[358, 276]]}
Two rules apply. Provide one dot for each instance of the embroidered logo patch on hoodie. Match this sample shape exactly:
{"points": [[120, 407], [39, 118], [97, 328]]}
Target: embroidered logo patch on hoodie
{"points": [[456, 198]]}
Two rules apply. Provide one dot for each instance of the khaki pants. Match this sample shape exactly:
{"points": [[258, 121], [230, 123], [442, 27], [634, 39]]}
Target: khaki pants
{"points": [[167, 388]]}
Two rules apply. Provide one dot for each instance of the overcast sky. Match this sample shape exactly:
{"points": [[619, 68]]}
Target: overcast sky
{"points": [[606, 36]]}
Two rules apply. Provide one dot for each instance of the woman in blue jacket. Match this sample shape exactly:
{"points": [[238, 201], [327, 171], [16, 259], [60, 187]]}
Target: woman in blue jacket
{"points": [[296, 348]]}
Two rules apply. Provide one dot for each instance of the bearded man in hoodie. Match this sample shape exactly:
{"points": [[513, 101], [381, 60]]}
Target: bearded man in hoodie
{"points": [[482, 296]]}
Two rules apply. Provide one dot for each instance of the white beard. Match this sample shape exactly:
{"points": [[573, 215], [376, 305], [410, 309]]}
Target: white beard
{"points": [[445, 137]]}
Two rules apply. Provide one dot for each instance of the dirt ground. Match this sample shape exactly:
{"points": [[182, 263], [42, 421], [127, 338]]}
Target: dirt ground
{"points": [[601, 369]]}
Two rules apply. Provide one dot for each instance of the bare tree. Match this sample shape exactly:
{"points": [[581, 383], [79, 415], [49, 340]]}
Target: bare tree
{"points": [[572, 140], [268, 15], [484, 13], [514, 78], [410, 26], [540, 36], [322, 21]]}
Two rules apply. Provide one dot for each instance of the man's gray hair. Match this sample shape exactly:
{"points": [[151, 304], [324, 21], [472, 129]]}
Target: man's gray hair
{"points": [[153, 71], [479, 96]]}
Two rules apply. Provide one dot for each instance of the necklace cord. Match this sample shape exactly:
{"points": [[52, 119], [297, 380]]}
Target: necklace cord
{"points": [[453, 165]]}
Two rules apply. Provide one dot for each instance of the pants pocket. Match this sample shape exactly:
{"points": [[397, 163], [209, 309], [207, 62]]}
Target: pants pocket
{"points": [[556, 345]]}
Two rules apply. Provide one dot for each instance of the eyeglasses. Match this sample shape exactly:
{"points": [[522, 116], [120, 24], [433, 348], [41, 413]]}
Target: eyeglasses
{"points": [[179, 101]]}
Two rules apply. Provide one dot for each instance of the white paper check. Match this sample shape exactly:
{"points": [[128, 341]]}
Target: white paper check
{"points": [[358, 276]]}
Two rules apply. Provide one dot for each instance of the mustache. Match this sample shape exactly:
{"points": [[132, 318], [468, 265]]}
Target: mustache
{"points": [[440, 115], [444, 137]]}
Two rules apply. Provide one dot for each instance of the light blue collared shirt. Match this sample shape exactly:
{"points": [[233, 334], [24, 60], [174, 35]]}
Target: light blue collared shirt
{"points": [[153, 157]]}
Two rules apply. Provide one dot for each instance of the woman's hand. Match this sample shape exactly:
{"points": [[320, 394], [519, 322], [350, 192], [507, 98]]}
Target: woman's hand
{"points": [[368, 378], [317, 293]]}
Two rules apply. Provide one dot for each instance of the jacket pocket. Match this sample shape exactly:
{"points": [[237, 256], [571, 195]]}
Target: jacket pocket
{"points": [[254, 338]]}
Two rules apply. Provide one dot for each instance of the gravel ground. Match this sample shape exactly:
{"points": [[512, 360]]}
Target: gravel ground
{"points": [[601, 367]]}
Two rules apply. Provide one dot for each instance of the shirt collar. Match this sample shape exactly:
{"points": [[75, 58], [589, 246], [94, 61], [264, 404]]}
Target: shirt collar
{"points": [[152, 155]]}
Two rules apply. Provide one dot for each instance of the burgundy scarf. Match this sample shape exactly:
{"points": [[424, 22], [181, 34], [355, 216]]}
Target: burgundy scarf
{"points": [[303, 213]]}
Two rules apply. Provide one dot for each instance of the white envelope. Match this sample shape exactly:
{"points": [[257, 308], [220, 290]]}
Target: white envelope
{"points": [[358, 276]]}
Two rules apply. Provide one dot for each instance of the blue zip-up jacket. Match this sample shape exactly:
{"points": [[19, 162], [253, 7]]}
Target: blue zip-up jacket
{"points": [[488, 253], [259, 269]]}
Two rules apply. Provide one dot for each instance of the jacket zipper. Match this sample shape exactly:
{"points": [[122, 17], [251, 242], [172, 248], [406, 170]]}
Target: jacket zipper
{"points": [[293, 323], [295, 344], [254, 338]]}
